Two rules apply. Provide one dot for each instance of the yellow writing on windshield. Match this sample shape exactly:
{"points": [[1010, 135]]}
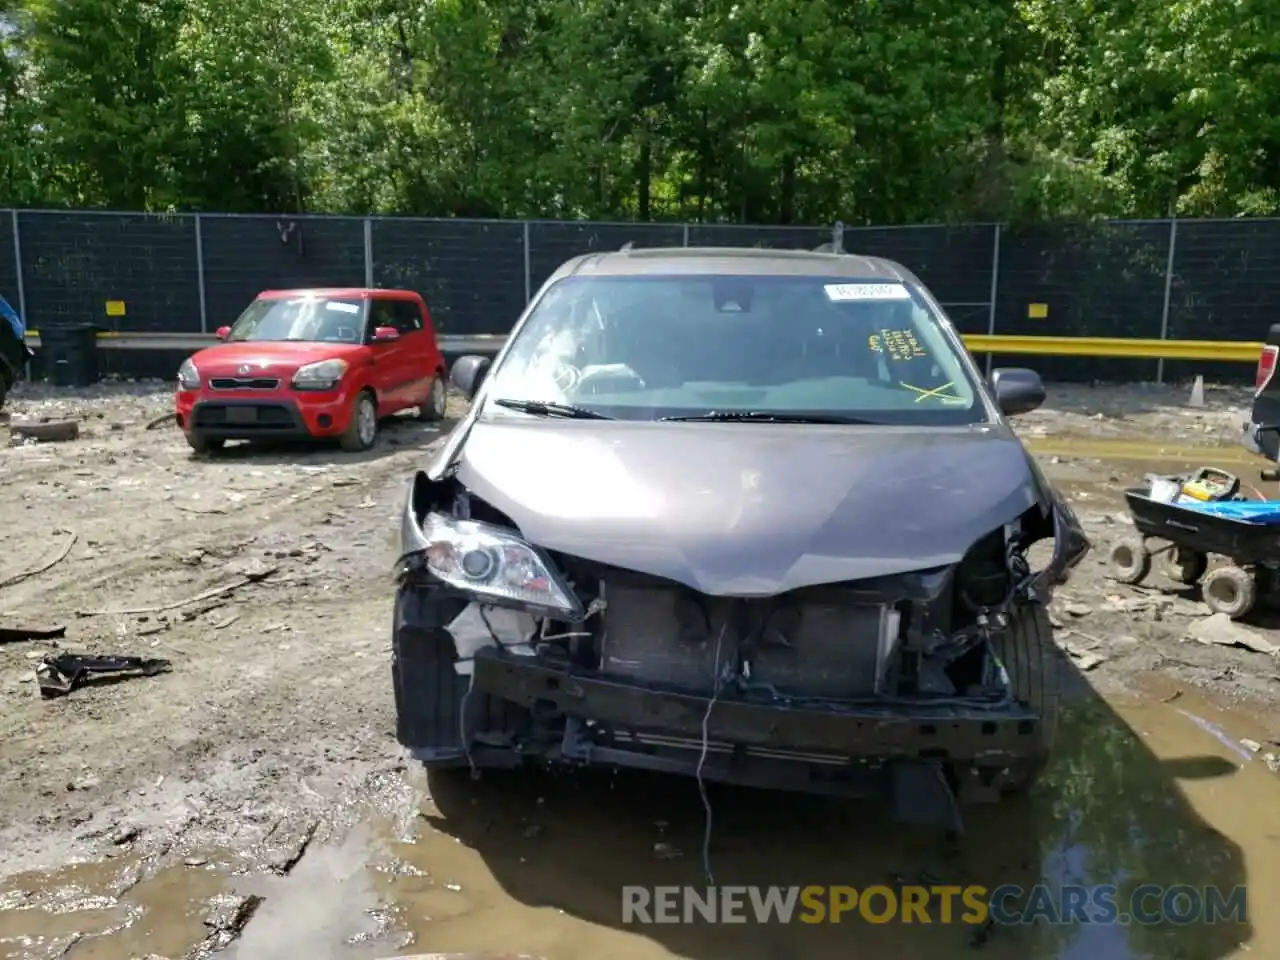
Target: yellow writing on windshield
{"points": [[898, 344], [936, 393]]}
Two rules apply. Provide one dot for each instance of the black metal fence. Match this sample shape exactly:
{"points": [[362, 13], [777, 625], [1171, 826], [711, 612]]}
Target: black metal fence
{"points": [[1189, 279]]}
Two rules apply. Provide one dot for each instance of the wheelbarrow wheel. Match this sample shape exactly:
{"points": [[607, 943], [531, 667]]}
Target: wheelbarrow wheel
{"points": [[1184, 566], [1231, 590], [1130, 561]]}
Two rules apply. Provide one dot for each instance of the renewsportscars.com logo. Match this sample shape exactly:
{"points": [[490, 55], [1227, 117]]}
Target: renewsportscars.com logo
{"points": [[1144, 904]]}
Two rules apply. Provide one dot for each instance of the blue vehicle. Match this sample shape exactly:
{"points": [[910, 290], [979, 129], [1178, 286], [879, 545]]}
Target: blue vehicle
{"points": [[14, 352]]}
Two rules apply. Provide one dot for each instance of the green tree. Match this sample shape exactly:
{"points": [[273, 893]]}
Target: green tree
{"points": [[876, 111]]}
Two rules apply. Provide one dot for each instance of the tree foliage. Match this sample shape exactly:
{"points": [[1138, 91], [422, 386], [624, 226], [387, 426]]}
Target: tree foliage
{"points": [[778, 111]]}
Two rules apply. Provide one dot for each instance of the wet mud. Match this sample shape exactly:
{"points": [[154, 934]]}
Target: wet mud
{"points": [[1139, 791], [253, 803]]}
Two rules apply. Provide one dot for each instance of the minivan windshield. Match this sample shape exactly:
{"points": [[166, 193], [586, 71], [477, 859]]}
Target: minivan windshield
{"points": [[301, 318], [737, 347]]}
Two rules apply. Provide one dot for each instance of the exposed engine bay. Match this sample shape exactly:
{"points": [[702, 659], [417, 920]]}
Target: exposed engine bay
{"points": [[916, 665], [915, 635]]}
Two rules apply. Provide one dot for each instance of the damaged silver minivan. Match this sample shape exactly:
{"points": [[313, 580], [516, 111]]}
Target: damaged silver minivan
{"points": [[748, 515]]}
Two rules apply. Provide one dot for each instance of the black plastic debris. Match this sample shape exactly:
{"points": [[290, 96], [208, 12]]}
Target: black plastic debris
{"points": [[60, 674]]}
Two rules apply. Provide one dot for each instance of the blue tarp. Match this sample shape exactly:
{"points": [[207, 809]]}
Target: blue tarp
{"points": [[1264, 513]]}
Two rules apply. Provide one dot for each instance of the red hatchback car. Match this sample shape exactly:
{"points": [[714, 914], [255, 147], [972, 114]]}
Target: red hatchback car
{"points": [[323, 364]]}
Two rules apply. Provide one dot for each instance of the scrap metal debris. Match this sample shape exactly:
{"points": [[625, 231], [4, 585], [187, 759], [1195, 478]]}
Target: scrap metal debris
{"points": [[61, 673], [15, 633], [161, 421], [27, 575]]}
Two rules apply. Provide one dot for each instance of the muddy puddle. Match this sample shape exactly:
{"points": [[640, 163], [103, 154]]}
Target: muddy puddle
{"points": [[1156, 789], [103, 911]]}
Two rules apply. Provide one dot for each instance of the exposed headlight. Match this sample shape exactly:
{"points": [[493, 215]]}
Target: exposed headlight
{"points": [[494, 564], [188, 375], [319, 376]]}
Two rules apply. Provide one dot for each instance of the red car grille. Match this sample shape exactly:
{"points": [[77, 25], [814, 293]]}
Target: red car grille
{"points": [[243, 383]]}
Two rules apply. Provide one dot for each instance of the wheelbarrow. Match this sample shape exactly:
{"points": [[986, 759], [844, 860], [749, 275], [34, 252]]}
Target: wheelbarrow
{"points": [[1186, 531]]}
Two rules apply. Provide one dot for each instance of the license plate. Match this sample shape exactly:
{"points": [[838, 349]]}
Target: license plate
{"points": [[242, 414]]}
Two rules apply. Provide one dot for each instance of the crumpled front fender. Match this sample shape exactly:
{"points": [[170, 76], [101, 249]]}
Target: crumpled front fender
{"points": [[1070, 546], [412, 539]]}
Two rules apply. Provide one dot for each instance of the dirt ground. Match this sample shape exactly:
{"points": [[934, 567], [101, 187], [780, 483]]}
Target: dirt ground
{"points": [[154, 816]]}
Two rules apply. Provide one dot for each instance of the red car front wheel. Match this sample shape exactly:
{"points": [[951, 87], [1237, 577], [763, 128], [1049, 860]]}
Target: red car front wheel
{"points": [[362, 431]]}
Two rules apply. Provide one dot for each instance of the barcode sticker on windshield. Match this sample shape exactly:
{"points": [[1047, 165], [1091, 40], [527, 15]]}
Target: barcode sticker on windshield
{"points": [[838, 292], [341, 307]]}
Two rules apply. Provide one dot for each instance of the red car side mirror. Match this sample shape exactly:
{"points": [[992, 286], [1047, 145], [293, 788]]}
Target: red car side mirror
{"points": [[222, 333], [385, 334]]}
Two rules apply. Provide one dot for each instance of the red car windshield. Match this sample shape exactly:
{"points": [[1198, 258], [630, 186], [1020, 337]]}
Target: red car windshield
{"points": [[320, 319]]}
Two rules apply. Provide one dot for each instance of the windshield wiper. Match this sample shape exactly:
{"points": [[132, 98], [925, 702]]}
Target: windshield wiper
{"points": [[764, 416], [543, 408]]}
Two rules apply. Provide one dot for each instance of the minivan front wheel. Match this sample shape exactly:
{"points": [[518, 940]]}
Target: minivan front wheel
{"points": [[1030, 658]]}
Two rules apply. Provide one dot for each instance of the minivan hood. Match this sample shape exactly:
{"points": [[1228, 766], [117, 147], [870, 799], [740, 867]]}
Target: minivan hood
{"points": [[279, 356], [750, 508]]}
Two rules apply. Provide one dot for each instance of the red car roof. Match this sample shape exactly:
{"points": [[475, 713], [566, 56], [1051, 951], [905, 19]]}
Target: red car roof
{"points": [[347, 293]]}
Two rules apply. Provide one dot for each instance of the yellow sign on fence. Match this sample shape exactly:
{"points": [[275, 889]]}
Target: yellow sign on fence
{"points": [[115, 308], [1037, 311]]}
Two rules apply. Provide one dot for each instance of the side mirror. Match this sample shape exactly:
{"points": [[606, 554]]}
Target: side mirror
{"points": [[468, 373], [1017, 390], [386, 335], [222, 333]]}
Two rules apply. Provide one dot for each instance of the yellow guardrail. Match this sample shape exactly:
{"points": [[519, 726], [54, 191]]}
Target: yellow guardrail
{"points": [[1231, 351]]}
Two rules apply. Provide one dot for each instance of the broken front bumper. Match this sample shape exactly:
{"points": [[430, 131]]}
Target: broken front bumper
{"points": [[985, 733], [273, 417]]}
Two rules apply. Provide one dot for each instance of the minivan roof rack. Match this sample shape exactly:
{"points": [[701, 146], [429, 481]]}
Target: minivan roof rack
{"points": [[836, 243]]}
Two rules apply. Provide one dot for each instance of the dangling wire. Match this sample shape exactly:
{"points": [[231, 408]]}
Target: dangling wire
{"points": [[462, 727], [702, 759]]}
